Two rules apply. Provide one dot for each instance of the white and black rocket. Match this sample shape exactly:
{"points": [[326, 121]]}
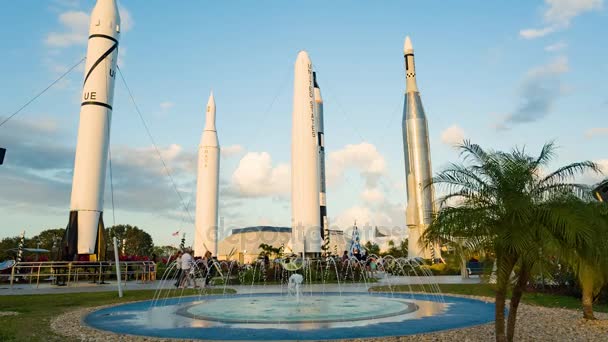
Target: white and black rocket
{"points": [[305, 178], [85, 231], [324, 229]]}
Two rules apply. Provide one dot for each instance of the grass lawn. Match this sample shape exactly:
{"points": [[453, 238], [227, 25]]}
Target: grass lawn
{"points": [[540, 299], [37, 311]]}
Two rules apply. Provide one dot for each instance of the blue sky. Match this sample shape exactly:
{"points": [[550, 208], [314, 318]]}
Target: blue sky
{"points": [[498, 73]]}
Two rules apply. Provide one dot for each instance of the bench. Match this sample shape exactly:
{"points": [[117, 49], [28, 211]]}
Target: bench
{"points": [[474, 268]]}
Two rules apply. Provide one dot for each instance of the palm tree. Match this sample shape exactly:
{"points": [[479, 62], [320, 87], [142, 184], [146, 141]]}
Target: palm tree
{"points": [[590, 262], [503, 202]]}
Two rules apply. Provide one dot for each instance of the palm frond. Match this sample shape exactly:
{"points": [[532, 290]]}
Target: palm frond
{"points": [[570, 171]]}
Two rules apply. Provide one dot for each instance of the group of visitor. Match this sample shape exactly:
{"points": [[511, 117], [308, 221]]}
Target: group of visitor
{"points": [[186, 269], [370, 263]]}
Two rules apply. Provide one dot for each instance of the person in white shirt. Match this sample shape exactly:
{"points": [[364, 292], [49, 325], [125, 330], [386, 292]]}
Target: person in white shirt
{"points": [[186, 267]]}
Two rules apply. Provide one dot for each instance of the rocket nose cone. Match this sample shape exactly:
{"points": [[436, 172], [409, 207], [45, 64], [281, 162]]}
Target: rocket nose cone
{"points": [[107, 6], [210, 115], [408, 44], [303, 56], [105, 18], [211, 101]]}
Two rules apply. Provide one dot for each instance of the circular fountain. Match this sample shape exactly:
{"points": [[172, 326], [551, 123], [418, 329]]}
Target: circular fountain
{"points": [[294, 309]]}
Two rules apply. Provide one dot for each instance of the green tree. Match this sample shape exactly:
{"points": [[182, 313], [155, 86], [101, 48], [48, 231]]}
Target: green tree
{"points": [[270, 250], [9, 243], [505, 202], [372, 248], [589, 261], [164, 251], [399, 251], [137, 241], [49, 239]]}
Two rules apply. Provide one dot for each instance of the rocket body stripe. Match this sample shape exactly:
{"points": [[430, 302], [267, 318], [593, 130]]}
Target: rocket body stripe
{"points": [[305, 209], [94, 129], [324, 229], [420, 197], [207, 186]]}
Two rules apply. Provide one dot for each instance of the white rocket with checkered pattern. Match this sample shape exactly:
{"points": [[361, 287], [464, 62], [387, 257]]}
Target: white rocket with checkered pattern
{"points": [[417, 152]]}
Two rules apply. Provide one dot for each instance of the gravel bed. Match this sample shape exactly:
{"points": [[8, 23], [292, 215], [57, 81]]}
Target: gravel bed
{"points": [[534, 323], [8, 313]]}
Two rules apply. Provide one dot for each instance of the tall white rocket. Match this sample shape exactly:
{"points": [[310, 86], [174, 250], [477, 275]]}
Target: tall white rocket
{"points": [[324, 229], [417, 151], [306, 225], [207, 185], [84, 233]]}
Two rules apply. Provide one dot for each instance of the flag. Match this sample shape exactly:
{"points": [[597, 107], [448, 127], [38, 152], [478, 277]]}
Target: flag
{"points": [[176, 233]]}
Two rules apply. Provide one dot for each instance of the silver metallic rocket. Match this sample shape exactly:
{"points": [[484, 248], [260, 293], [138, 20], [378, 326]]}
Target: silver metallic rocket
{"points": [[207, 184], [420, 197], [85, 230], [306, 225], [324, 229]]}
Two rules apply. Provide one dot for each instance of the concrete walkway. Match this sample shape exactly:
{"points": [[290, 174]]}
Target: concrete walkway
{"points": [[27, 289]]}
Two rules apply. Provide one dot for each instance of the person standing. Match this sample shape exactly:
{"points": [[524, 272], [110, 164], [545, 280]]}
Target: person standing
{"points": [[209, 263], [186, 268], [178, 266]]}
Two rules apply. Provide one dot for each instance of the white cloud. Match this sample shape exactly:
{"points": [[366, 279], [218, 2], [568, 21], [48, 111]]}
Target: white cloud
{"points": [[126, 19], [561, 12], [146, 160], [166, 105], [372, 195], [76, 27], [594, 178], [592, 132], [557, 66], [536, 33], [556, 47], [452, 135], [361, 215], [558, 15], [255, 176], [363, 157], [231, 151], [43, 166], [390, 219]]}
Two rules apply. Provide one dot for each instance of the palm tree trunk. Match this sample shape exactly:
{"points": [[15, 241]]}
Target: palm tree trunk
{"points": [[499, 324], [505, 266], [585, 278], [588, 304], [518, 291]]}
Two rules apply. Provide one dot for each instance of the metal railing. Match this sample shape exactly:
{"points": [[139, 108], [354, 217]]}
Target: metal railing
{"points": [[64, 272]]}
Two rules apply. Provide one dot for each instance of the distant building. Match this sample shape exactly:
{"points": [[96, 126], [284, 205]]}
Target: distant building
{"points": [[244, 243]]}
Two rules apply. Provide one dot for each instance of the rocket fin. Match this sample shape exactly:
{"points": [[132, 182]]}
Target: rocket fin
{"points": [[91, 242], [70, 238], [100, 246]]}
